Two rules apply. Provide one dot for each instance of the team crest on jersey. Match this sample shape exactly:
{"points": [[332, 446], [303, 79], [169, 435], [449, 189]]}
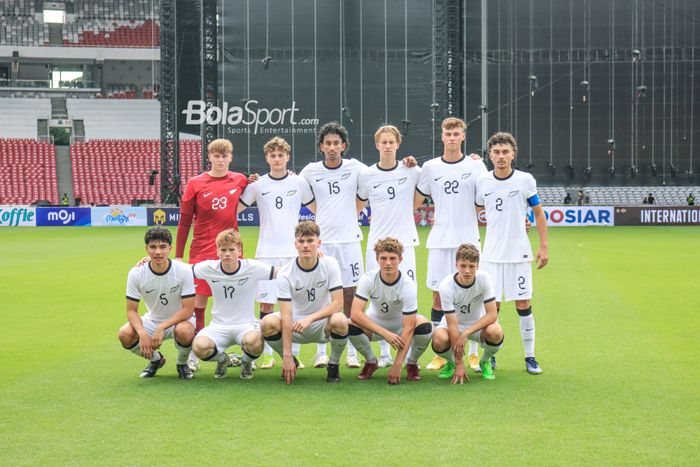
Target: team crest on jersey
{"points": [[243, 281], [291, 193], [320, 283], [396, 302], [513, 193], [263, 295], [402, 180], [174, 289], [232, 191], [466, 175], [345, 176], [478, 298]]}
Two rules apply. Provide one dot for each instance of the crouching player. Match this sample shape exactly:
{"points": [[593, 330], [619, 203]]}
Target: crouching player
{"points": [[469, 303], [392, 315], [167, 288], [233, 283], [310, 297]]}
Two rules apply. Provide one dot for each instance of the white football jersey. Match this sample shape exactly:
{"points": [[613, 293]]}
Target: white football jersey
{"points": [[234, 293], [452, 186], [466, 302], [335, 191], [279, 201], [388, 302], [390, 194], [506, 201], [161, 292], [308, 290]]}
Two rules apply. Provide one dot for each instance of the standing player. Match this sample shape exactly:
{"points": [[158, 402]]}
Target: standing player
{"points": [[167, 289], [392, 315], [390, 189], [279, 196], [233, 283], [450, 181], [211, 199], [505, 194], [311, 300], [334, 182], [469, 304]]}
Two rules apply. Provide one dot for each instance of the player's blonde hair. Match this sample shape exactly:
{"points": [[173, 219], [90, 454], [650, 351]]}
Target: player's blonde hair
{"points": [[502, 138], [220, 146], [228, 237], [307, 229], [388, 245], [467, 252], [387, 129], [277, 143], [450, 123]]}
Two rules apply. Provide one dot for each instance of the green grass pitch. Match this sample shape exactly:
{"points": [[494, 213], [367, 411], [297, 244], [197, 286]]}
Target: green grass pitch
{"points": [[618, 317]]}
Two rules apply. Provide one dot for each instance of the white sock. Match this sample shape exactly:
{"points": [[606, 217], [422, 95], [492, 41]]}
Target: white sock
{"points": [[296, 349], [268, 349], [156, 356], [363, 346], [473, 348], [527, 331], [338, 344], [490, 350], [420, 342], [352, 352], [384, 349], [447, 355], [182, 353], [321, 349]]}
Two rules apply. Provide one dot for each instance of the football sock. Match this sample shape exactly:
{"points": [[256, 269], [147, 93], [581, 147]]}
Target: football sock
{"points": [[267, 350], [490, 350], [473, 348], [527, 331], [275, 342], [384, 349], [136, 350], [436, 316], [446, 354], [296, 349], [248, 357], [321, 349], [361, 342], [199, 319], [420, 341], [156, 356], [182, 352], [351, 350], [338, 344]]}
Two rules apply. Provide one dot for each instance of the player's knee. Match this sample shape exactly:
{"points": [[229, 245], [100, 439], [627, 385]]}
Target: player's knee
{"points": [[354, 330], [441, 340], [339, 323], [127, 336], [202, 347], [270, 325], [184, 333], [423, 329], [493, 332], [523, 307], [253, 343]]}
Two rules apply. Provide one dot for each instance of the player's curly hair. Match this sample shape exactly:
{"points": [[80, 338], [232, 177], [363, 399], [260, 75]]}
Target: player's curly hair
{"points": [[228, 237], [277, 143], [389, 245], [307, 229], [158, 234], [450, 123], [387, 129], [502, 138], [333, 128], [220, 146], [467, 252]]}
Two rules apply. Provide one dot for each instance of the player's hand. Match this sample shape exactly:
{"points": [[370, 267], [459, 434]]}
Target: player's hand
{"points": [[143, 261], [300, 326], [157, 337], [394, 340], [289, 369], [528, 224], [458, 348], [542, 257], [460, 375], [145, 344], [394, 376], [475, 157], [409, 161], [252, 178], [320, 254]]}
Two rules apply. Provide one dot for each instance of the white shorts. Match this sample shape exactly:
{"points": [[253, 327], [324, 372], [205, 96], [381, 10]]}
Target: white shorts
{"points": [[314, 334], [441, 263], [407, 265], [393, 326], [475, 336], [150, 326], [349, 257], [224, 336], [266, 291], [512, 280]]}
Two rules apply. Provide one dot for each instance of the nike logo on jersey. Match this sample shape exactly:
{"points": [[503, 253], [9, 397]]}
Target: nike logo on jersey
{"points": [[215, 280], [521, 293], [206, 194], [378, 184], [149, 291], [488, 194], [298, 289], [319, 179], [438, 179], [265, 193], [233, 191]]}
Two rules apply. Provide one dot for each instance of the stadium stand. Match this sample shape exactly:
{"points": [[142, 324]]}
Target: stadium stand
{"points": [[117, 171], [112, 33], [27, 172], [116, 118], [616, 195], [19, 116]]}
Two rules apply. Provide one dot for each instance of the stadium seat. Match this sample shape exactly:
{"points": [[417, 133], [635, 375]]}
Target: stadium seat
{"points": [[27, 171]]}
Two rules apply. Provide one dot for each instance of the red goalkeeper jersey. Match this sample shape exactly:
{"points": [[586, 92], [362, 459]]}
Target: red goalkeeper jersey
{"points": [[213, 203]]}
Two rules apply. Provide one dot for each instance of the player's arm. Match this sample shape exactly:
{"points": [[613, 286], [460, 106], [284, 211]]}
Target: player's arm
{"points": [[487, 319], [418, 199], [359, 318], [311, 206], [132, 315], [187, 208], [542, 256], [334, 306], [460, 374], [183, 314], [409, 161], [289, 369], [409, 324]]}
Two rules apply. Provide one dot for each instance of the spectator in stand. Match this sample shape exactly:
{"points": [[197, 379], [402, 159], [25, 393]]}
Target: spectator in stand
{"points": [[64, 199], [690, 199], [567, 198], [650, 199], [581, 198]]}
